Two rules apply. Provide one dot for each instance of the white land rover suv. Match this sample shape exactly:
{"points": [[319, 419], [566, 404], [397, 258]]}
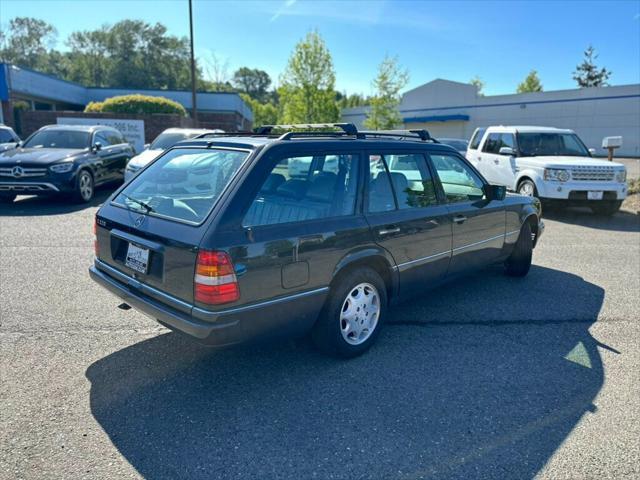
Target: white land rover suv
{"points": [[550, 163]]}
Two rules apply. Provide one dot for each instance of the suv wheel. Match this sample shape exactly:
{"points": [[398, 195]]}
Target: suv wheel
{"points": [[353, 315], [7, 198], [519, 262], [84, 187], [527, 188], [606, 208]]}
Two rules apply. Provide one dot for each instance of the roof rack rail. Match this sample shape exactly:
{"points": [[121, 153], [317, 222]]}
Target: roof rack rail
{"points": [[421, 134], [228, 134], [347, 128]]}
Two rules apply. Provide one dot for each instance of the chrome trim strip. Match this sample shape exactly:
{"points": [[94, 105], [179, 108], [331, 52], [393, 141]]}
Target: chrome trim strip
{"points": [[479, 243], [13, 185], [253, 306], [512, 233], [404, 264]]}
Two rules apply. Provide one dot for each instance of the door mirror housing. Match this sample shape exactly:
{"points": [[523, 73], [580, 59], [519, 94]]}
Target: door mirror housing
{"points": [[146, 146], [495, 192], [592, 151], [507, 151], [97, 147]]}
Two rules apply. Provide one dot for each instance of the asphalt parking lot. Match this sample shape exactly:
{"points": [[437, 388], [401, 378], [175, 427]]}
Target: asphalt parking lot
{"points": [[489, 377]]}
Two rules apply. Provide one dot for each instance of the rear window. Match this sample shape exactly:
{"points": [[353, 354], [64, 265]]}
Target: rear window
{"points": [[184, 184]]}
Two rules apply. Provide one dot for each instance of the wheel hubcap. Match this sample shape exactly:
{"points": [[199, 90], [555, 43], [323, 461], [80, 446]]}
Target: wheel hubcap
{"points": [[360, 313], [86, 189], [526, 189]]}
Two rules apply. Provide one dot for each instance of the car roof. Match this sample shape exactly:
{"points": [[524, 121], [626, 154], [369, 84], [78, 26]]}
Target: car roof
{"points": [[78, 128], [528, 129]]}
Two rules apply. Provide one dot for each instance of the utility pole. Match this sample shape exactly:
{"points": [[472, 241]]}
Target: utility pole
{"points": [[194, 107]]}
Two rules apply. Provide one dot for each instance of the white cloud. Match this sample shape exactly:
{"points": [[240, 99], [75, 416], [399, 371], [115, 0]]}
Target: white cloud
{"points": [[283, 8]]}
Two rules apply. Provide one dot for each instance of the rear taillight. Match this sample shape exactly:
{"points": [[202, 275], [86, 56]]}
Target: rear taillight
{"points": [[95, 236], [215, 281]]}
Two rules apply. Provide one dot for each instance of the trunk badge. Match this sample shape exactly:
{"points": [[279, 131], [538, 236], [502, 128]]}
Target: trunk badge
{"points": [[139, 221]]}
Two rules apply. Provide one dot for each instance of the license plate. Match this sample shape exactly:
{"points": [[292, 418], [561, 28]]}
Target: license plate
{"points": [[594, 195], [137, 258]]}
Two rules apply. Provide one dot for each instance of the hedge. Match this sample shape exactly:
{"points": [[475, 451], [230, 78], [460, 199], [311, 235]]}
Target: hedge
{"points": [[136, 104]]}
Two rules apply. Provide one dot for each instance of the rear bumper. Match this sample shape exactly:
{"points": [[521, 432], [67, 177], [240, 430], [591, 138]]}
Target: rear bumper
{"points": [[281, 317]]}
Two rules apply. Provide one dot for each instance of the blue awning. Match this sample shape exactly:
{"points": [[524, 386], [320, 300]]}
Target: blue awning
{"points": [[436, 118]]}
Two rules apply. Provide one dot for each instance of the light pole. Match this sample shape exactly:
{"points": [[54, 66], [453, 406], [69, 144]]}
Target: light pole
{"points": [[194, 107]]}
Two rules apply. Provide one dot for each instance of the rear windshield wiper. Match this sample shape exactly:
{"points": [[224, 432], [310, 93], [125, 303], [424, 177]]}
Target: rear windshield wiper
{"points": [[144, 205]]}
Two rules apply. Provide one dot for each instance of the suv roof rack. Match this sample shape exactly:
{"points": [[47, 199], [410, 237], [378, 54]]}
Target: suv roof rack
{"points": [[421, 134], [347, 128]]}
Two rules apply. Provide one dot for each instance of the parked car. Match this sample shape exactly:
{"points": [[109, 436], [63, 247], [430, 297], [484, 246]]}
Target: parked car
{"points": [[64, 159], [459, 144], [165, 140], [8, 138], [215, 239], [550, 163]]}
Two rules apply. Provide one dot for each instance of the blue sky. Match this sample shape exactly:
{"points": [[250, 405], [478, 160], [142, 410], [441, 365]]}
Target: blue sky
{"points": [[497, 41]]}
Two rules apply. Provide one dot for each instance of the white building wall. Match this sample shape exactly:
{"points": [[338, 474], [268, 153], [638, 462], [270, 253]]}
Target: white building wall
{"points": [[593, 113]]}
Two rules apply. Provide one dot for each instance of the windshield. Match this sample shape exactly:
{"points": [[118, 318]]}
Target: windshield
{"points": [[551, 144], [184, 184], [58, 139], [168, 140]]}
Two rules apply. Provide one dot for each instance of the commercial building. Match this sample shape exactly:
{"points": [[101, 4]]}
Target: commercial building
{"points": [[44, 92], [453, 109]]}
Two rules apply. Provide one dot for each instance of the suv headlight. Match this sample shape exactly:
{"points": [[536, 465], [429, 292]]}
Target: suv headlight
{"points": [[621, 176], [62, 167], [557, 174]]}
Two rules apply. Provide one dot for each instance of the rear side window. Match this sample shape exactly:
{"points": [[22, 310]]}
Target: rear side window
{"points": [[477, 136], [184, 184], [408, 174], [5, 136], [492, 145], [306, 188]]}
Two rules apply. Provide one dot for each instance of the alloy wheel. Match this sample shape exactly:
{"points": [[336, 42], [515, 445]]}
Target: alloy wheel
{"points": [[360, 313]]}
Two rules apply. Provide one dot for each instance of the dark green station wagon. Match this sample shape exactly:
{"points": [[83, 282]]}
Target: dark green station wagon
{"points": [[234, 237]]}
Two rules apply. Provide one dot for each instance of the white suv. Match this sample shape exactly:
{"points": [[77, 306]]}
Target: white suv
{"points": [[550, 163]]}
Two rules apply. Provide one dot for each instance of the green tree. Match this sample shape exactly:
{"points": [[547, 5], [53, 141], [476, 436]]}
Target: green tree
{"points": [[307, 92], [353, 100], [531, 83], [263, 113], [587, 74], [28, 42], [384, 114], [478, 83], [252, 81]]}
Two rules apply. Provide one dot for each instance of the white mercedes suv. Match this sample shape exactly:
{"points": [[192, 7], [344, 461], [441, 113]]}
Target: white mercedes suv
{"points": [[549, 163]]}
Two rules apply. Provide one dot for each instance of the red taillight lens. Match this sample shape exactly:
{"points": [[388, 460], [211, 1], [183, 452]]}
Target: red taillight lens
{"points": [[95, 236], [215, 281]]}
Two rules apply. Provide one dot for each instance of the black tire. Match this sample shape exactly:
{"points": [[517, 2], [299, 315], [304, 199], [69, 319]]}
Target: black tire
{"points": [[85, 187], [525, 186], [519, 262], [607, 208], [7, 198], [327, 333]]}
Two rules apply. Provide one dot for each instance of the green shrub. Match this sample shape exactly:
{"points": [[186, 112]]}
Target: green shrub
{"points": [[21, 105], [137, 104]]}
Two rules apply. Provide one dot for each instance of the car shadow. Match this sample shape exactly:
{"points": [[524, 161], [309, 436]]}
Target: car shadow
{"points": [[621, 221], [486, 377], [27, 206]]}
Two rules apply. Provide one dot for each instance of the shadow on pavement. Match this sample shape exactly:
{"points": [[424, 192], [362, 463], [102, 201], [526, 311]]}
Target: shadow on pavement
{"points": [[52, 205], [482, 378], [622, 221]]}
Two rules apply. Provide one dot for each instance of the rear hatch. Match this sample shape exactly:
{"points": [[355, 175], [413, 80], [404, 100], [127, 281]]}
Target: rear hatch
{"points": [[148, 235]]}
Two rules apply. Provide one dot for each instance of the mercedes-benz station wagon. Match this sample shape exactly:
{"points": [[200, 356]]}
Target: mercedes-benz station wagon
{"points": [[235, 237]]}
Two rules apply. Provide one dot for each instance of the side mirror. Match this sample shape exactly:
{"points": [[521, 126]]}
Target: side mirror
{"points": [[495, 192], [507, 151], [592, 151], [97, 147], [146, 146]]}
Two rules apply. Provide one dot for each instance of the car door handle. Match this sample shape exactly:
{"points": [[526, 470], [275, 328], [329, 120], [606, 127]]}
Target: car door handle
{"points": [[389, 231], [496, 161], [459, 219], [479, 159]]}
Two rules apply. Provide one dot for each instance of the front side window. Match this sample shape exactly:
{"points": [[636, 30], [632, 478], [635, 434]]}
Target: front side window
{"points": [[540, 144], [115, 137], [58, 139], [5, 136], [102, 139], [303, 188], [507, 140], [412, 183], [184, 184], [459, 182]]}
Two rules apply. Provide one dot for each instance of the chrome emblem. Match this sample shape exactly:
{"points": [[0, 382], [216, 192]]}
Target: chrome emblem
{"points": [[139, 221], [17, 171]]}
